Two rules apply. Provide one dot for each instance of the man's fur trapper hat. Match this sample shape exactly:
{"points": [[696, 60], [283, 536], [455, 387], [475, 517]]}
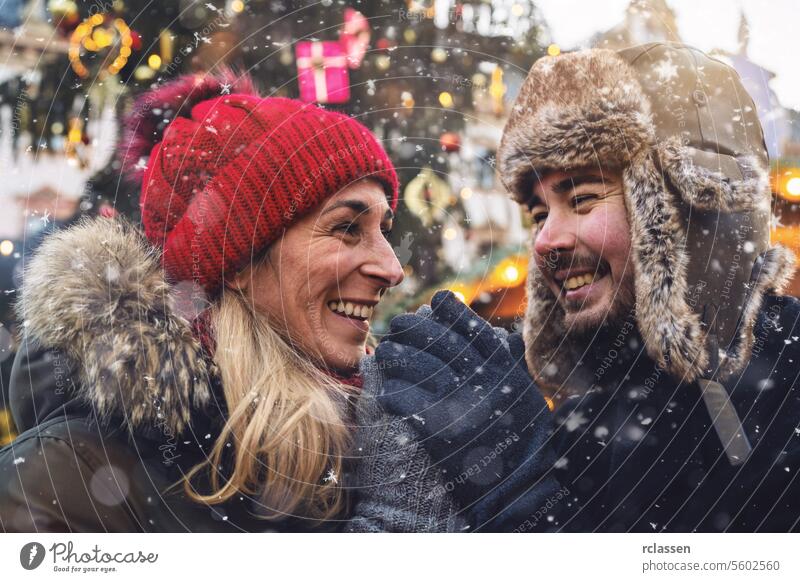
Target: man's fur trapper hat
{"points": [[685, 135]]}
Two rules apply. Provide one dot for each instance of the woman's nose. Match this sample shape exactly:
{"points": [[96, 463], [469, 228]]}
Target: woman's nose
{"points": [[383, 264]]}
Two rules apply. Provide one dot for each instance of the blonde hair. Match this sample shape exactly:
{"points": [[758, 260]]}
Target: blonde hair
{"points": [[287, 420]]}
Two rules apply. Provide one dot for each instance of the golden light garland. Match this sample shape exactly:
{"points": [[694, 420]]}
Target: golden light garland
{"points": [[93, 38]]}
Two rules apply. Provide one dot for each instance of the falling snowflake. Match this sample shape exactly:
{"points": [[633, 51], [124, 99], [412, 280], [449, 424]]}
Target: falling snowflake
{"points": [[19, 460], [331, 477], [666, 70], [574, 421], [211, 129], [226, 89], [635, 433], [545, 65], [45, 217], [112, 273], [198, 39]]}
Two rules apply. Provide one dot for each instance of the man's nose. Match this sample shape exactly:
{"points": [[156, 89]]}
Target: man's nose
{"points": [[557, 234], [382, 264]]}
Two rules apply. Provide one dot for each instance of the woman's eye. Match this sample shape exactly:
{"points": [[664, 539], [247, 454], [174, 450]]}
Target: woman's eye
{"points": [[348, 228], [539, 217]]}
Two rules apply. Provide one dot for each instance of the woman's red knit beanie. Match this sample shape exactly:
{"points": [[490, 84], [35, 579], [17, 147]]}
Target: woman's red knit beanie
{"points": [[223, 171]]}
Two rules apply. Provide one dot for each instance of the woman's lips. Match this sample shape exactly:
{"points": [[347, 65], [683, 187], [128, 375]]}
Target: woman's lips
{"points": [[355, 309], [357, 317]]}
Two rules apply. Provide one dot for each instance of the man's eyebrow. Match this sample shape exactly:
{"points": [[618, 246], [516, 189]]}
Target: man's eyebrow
{"points": [[533, 200], [568, 184]]}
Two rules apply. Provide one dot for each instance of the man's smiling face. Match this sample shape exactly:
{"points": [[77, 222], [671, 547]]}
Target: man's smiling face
{"points": [[582, 245]]}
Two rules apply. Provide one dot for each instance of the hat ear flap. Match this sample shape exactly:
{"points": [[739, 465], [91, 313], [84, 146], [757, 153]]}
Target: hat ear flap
{"points": [[771, 273], [670, 328], [549, 354], [710, 181]]}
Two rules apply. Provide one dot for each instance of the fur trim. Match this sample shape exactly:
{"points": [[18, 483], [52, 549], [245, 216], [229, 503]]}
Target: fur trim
{"points": [[770, 275], [669, 326], [554, 125], [705, 189], [97, 292]]}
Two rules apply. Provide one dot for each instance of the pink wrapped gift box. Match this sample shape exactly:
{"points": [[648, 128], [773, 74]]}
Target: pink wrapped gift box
{"points": [[322, 72]]}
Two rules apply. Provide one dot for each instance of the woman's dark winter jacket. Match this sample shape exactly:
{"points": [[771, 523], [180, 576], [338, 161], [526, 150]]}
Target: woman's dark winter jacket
{"points": [[68, 471]]}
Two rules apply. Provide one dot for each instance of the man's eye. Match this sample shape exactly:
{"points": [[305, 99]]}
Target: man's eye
{"points": [[581, 198]]}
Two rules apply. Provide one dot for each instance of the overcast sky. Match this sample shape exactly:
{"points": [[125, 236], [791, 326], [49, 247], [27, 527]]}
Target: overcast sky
{"points": [[706, 24]]}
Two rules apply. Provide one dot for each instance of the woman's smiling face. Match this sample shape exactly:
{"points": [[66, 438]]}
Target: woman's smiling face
{"points": [[321, 280]]}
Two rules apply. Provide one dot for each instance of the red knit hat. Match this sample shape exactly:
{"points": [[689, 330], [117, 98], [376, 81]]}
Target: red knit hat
{"points": [[223, 171]]}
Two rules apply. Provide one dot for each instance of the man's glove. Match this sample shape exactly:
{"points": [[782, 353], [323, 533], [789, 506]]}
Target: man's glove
{"points": [[472, 400]]}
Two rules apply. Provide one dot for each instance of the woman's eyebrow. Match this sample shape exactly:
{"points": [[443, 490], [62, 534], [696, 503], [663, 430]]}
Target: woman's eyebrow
{"points": [[358, 206]]}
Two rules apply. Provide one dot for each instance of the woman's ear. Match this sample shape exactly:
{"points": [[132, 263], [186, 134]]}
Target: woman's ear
{"points": [[241, 281]]}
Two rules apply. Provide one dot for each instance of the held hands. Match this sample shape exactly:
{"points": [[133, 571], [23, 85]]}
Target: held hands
{"points": [[469, 395]]}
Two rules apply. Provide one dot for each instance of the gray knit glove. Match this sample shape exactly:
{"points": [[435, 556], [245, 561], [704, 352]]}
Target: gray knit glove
{"points": [[396, 488]]}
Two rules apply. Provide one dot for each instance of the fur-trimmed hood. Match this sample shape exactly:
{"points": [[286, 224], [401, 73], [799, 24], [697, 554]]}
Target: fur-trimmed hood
{"points": [[684, 134], [96, 292]]}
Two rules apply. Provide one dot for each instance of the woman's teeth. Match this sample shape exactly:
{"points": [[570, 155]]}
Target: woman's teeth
{"points": [[579, 281], [351, 309]]}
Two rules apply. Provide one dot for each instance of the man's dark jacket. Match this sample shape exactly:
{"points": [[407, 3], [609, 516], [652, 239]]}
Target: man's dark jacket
{"points": [[640, 453]]}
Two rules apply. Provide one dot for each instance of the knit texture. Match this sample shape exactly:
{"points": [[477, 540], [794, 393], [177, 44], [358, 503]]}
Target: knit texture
{"points": [[227, 173], [397, 488]]}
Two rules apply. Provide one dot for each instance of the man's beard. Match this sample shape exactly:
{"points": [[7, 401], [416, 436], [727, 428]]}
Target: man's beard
{"points": [[581, 324]]}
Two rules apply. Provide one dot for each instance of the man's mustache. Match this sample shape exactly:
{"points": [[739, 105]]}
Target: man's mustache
{"points": [[555, 261]]}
